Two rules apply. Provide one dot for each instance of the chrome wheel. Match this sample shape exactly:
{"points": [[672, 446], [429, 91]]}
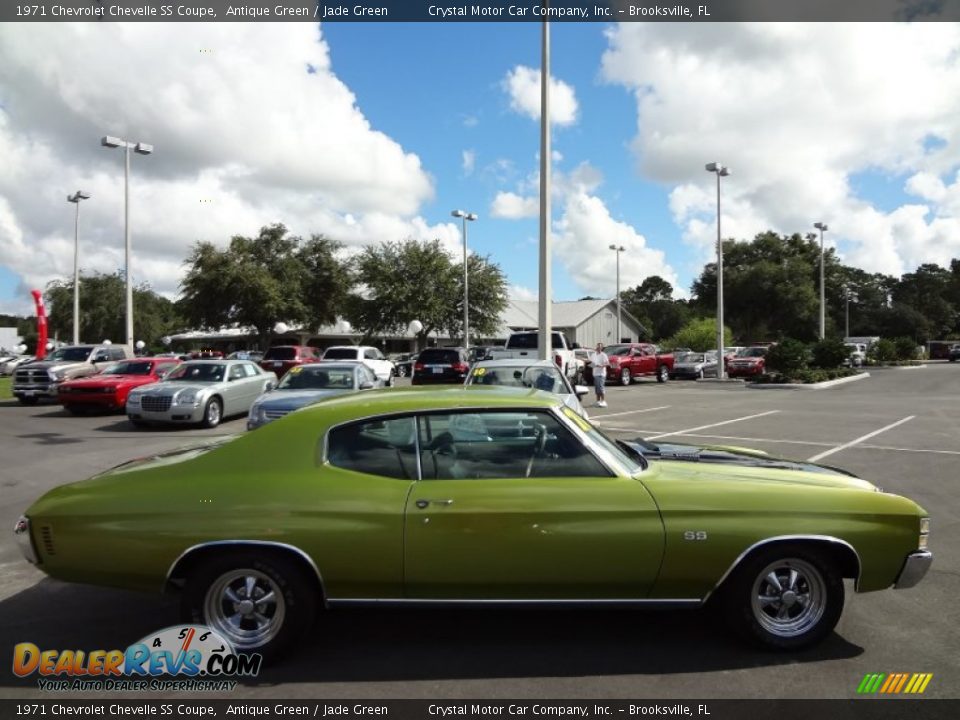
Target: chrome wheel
{"points": [[245, 606], [663, 373], [212, 413], [625, 376], [788, 597]]}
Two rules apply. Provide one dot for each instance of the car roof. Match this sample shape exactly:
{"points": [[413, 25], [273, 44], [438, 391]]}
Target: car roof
{"points": [[507, 362], [418, 399], [333, 365]]}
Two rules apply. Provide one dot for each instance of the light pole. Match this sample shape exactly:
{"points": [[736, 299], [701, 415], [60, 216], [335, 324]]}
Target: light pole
{"points": [[544, 313], [618, 249], [464, 216], [823, 305], [142, 149], [720, 172], [75, 199]]}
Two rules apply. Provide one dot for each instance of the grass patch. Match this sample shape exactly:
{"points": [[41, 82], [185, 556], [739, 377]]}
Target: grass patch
{"points": [[6, 388]]}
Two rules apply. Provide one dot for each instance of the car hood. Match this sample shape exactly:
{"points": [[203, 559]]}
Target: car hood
{"points": [[293, 399], [49, 364], [100, 380], [173, 387], [730, 463]]}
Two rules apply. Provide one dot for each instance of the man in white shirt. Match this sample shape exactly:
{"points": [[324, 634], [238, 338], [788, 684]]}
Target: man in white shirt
{"points": [[600, 363]]}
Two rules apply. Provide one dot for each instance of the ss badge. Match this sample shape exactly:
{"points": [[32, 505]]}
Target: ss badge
{"points": [[695, 535]]}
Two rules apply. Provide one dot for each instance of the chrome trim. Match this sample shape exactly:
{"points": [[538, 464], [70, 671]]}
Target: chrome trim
{"points": [[615, 602], [23, 536], [261, 543], [787, 538], [914, 568]]}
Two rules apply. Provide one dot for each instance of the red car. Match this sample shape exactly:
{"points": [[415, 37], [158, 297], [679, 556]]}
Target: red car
{"points": [[749, 362], [632, 360], [108, 390], [281, 358]]}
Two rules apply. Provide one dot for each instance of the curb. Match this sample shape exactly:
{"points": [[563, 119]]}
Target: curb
{"points": [[910, 367], [725, 384], [809, 386]]}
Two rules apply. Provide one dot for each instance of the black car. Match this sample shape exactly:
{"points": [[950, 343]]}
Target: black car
{"points": [[954, 353], [441, 365]]}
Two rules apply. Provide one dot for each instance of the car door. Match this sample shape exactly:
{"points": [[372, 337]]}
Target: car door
{"points": [[514, 506]]}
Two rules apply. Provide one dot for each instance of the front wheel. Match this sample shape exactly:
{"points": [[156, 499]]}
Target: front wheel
{"points": [[212, 413], [258, 601], [785, 598], [625, 376], [401, 371], [663, 374]]}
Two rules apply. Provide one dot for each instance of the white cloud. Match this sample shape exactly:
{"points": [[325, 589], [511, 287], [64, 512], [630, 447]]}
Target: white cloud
{"points": [[257, 135], [582, 239], [520, 292], [511, 206], [469, 161], [522, 84], [797, 110]]}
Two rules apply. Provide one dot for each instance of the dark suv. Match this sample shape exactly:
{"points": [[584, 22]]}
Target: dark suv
{"points": [[441, 365], [281, 358]]}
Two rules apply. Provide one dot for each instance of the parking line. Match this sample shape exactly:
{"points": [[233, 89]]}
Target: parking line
{"points": [[704, 427], [859, 440], [631, 412], [913, 450]]}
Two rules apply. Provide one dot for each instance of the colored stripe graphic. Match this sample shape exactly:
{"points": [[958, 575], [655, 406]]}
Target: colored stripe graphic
{"points": [[894, 683]]}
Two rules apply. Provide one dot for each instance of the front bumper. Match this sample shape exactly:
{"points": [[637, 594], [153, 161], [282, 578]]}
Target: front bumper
{"points": [[914, 569], [21, 532], [737, 371], [36, 390], [176, 414]]}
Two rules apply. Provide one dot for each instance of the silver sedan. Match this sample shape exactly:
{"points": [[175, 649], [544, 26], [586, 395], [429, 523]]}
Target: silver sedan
{"points": [[536, 374], [200, 392]]}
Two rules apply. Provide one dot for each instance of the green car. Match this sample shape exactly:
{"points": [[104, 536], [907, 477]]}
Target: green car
{"points": [[487, 495]]}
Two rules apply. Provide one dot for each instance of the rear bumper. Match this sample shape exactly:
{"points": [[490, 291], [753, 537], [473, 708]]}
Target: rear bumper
{"points": [[914, 569]]}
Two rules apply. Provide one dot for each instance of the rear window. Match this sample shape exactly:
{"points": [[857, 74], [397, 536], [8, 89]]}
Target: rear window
{"points": [[140, 367], [281, 353], [528, 341], [439, 357], [340, 354]]}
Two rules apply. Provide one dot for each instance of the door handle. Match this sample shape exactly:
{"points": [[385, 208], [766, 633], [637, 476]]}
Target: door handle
{"points": [[422, 504]]}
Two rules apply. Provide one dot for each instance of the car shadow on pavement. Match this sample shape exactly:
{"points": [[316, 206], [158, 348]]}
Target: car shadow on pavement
{"points": [[386, 644]]}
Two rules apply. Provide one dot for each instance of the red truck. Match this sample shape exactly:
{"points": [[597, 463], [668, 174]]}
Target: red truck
{"points": [[632, 360]]}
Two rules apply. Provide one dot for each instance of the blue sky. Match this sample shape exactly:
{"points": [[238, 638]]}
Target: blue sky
{"points": [[854, 125]]}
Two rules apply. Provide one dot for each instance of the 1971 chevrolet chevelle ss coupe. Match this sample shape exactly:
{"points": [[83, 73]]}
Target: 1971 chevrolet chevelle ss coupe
{"points": [[482, 495]]}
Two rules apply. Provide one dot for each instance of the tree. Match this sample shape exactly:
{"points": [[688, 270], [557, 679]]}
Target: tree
{"points": [[103, 310], [700, 335], [260, 281], [652, 303], [411, 280]]}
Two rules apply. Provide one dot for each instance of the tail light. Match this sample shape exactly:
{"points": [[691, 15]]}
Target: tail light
{"points": [[418, 366], [460, 367]]}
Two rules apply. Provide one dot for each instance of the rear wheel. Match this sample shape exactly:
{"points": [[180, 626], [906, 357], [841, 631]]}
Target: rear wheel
{"points": [[785, 598], [401, 371], [625, 377], [260, 602], [663, 374]]}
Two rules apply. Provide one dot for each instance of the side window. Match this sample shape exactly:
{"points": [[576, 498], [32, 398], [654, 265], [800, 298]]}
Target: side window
{"points": [[370, 354], [471, 445], [249, 370], [375, 447], [117, 354], [236, 372]]}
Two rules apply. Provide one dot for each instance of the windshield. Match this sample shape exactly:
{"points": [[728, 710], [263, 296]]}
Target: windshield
{"points": [[691, 358], [204, 372], [317, 378], [137, 367], [281, 353], [70, 354], [753, 352], [341, 354], [632, 460], [543, 378], [617, 350]]}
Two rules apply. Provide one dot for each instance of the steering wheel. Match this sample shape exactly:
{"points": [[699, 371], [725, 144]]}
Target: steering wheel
{"points": [[539, 445], [442, 444]]}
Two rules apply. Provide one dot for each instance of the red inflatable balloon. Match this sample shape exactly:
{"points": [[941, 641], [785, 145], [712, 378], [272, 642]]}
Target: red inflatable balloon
{"points": [[41, 324]]}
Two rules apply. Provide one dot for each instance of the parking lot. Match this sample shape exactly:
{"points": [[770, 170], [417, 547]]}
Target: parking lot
{"points": [[899, 428]]}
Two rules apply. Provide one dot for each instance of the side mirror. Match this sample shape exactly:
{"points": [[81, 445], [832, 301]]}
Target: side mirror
{"points": [[581, 390], [271, 385]]}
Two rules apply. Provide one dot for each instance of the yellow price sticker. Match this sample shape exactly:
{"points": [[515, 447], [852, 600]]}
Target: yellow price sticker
{"points": [[295, 370], [478, 372]]}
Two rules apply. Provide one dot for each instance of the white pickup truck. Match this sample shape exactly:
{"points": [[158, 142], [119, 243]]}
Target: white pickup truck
{"points": [[526, 345]]}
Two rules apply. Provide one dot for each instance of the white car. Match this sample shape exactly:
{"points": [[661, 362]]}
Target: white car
{"points": [[369, 356], [534, 374]]}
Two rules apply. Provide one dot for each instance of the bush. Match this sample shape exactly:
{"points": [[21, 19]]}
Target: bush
{"points": [[830, 353], [807, 376], [905, 348], [700, 335], [787, 356], [883, 350]]}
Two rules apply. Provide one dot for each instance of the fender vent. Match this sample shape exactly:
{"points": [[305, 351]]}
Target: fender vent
{"points": [[46, 537]]}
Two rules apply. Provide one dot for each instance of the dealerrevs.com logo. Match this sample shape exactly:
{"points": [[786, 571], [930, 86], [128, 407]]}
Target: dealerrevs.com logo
{"points": [[181, 657]]}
